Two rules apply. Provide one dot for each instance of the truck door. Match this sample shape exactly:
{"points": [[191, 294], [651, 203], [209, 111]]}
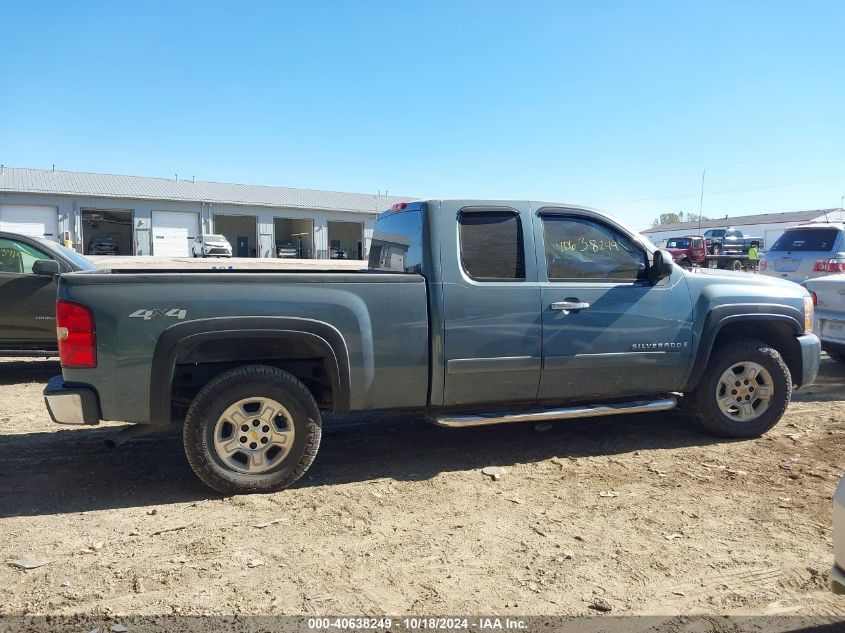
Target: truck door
{"points": [[607, 331], [492, 329], [27, 300]]}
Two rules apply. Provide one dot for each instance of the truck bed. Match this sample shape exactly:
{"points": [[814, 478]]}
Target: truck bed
{"points": [[380, 317]]}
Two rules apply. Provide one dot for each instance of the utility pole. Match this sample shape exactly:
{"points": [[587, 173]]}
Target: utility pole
{"points": [[701, 201]]}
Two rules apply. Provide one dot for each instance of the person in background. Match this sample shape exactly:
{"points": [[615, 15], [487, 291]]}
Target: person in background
{"points": [[753, 256], [66, 241]]}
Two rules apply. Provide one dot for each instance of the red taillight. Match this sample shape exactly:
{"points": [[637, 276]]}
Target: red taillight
{"points": [[836, 266], [815, 299], [829, 266], [77, 338], [399, 206]]}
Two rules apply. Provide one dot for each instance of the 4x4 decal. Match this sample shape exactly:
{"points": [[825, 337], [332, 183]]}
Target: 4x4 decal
{"points": [[176, 313]]}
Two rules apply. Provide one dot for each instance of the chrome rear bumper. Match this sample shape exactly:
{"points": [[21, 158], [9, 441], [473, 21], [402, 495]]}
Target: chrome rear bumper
{"points": [[71, 404]]}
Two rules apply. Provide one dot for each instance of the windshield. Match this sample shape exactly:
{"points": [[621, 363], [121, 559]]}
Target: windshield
{"points": [[213, 238], [79, 262], [677, 243], [807, 240]]}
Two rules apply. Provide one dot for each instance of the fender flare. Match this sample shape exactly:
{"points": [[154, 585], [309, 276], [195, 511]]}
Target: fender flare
{"points": [[722, 316], [178, 340]]}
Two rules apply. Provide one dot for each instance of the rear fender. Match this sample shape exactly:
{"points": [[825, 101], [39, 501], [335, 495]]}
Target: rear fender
{"points": [[183, 343]]}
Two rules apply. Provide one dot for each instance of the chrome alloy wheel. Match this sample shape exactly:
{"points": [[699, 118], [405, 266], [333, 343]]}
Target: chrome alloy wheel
{"points": [[744, 391], [253, 435]]}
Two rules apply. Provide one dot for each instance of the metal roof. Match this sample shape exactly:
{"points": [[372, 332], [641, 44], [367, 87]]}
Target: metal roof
{"points": [[760, 218], [76, 183]]}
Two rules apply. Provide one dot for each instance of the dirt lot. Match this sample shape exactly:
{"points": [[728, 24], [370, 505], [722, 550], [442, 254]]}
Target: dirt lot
{"points": [[395, 517]]}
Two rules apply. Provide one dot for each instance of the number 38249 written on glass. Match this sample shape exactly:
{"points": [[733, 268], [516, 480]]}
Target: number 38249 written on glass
{"points": [[582, 245]]}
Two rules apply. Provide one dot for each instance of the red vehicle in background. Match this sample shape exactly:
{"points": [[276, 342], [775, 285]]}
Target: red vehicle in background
{"points": [[687, 251], [691, 250]]}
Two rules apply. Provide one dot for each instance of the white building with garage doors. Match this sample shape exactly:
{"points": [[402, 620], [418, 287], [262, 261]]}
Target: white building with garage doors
{"points": [[136, 215], [769, 226]]}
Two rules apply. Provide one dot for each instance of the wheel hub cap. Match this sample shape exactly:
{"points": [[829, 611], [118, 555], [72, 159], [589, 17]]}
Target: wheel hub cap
{"points": [[744, 391], [253, 435]]}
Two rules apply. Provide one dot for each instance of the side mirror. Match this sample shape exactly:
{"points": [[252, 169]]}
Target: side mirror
{"points": [[661, 266], [46, 267]]}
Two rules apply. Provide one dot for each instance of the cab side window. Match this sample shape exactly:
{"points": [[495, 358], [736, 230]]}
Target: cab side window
{"points": [[17, 257], [491, 245], [579, 248]]}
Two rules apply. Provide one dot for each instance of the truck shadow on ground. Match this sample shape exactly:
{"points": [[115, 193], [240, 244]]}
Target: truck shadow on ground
{"points": [[71, 470]]}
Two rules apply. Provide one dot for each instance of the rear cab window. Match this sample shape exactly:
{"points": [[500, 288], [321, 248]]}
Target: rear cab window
{"points": [[821, 240], [397, 241]]}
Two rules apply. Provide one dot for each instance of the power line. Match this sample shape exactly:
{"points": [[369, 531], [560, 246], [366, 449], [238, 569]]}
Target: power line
{"points": [[724, 191]]}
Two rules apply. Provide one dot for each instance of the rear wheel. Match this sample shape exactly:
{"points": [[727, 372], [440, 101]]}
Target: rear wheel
{"points": [[837, 356], [744, 391], [686, 264], [252, 429]]}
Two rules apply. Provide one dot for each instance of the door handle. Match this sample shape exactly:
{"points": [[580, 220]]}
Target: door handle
{"points": [[565, 306]]}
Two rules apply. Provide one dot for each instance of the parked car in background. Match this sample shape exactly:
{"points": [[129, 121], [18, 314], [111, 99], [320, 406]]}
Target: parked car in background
{"points": [[829, 296], [805, 252], [729, 240], [206, 245], [286, 250], [103, 245], [837, 575], [28, 269], [337, 253]]}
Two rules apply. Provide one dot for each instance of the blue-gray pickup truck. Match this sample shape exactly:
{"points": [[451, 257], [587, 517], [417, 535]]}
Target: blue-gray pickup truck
{"points": [[476, 311]]}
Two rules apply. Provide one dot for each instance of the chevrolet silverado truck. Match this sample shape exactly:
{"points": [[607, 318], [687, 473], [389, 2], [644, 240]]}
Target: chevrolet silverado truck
{"points": [[476, 311]]}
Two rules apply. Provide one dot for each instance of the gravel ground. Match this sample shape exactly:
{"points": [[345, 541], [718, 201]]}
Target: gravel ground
{"points": [[642, 512]]}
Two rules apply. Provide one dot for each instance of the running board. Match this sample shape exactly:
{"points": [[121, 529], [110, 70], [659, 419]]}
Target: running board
{"points": [[567, 413]]}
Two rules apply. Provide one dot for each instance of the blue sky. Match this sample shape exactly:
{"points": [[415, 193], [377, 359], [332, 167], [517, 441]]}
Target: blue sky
{"points": [[615, 104]]}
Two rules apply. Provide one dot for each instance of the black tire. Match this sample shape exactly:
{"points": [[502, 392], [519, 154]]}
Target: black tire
{"points": [[837, 356], [717, 249], [230, 387], [686, 264], [702, 402]]}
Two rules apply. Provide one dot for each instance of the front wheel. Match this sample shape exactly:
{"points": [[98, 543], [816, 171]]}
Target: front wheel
{"points": [[253, 429], [744, 391]]}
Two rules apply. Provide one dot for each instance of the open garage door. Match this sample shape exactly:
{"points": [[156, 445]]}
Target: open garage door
{"points": [[34, 221], [346, 240], [241, 231], [107, 231], [173, 232], [294, 238]]}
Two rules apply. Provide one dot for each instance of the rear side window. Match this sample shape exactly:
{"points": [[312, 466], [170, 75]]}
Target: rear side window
{"points": [[807, 240], [491, 245]]}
